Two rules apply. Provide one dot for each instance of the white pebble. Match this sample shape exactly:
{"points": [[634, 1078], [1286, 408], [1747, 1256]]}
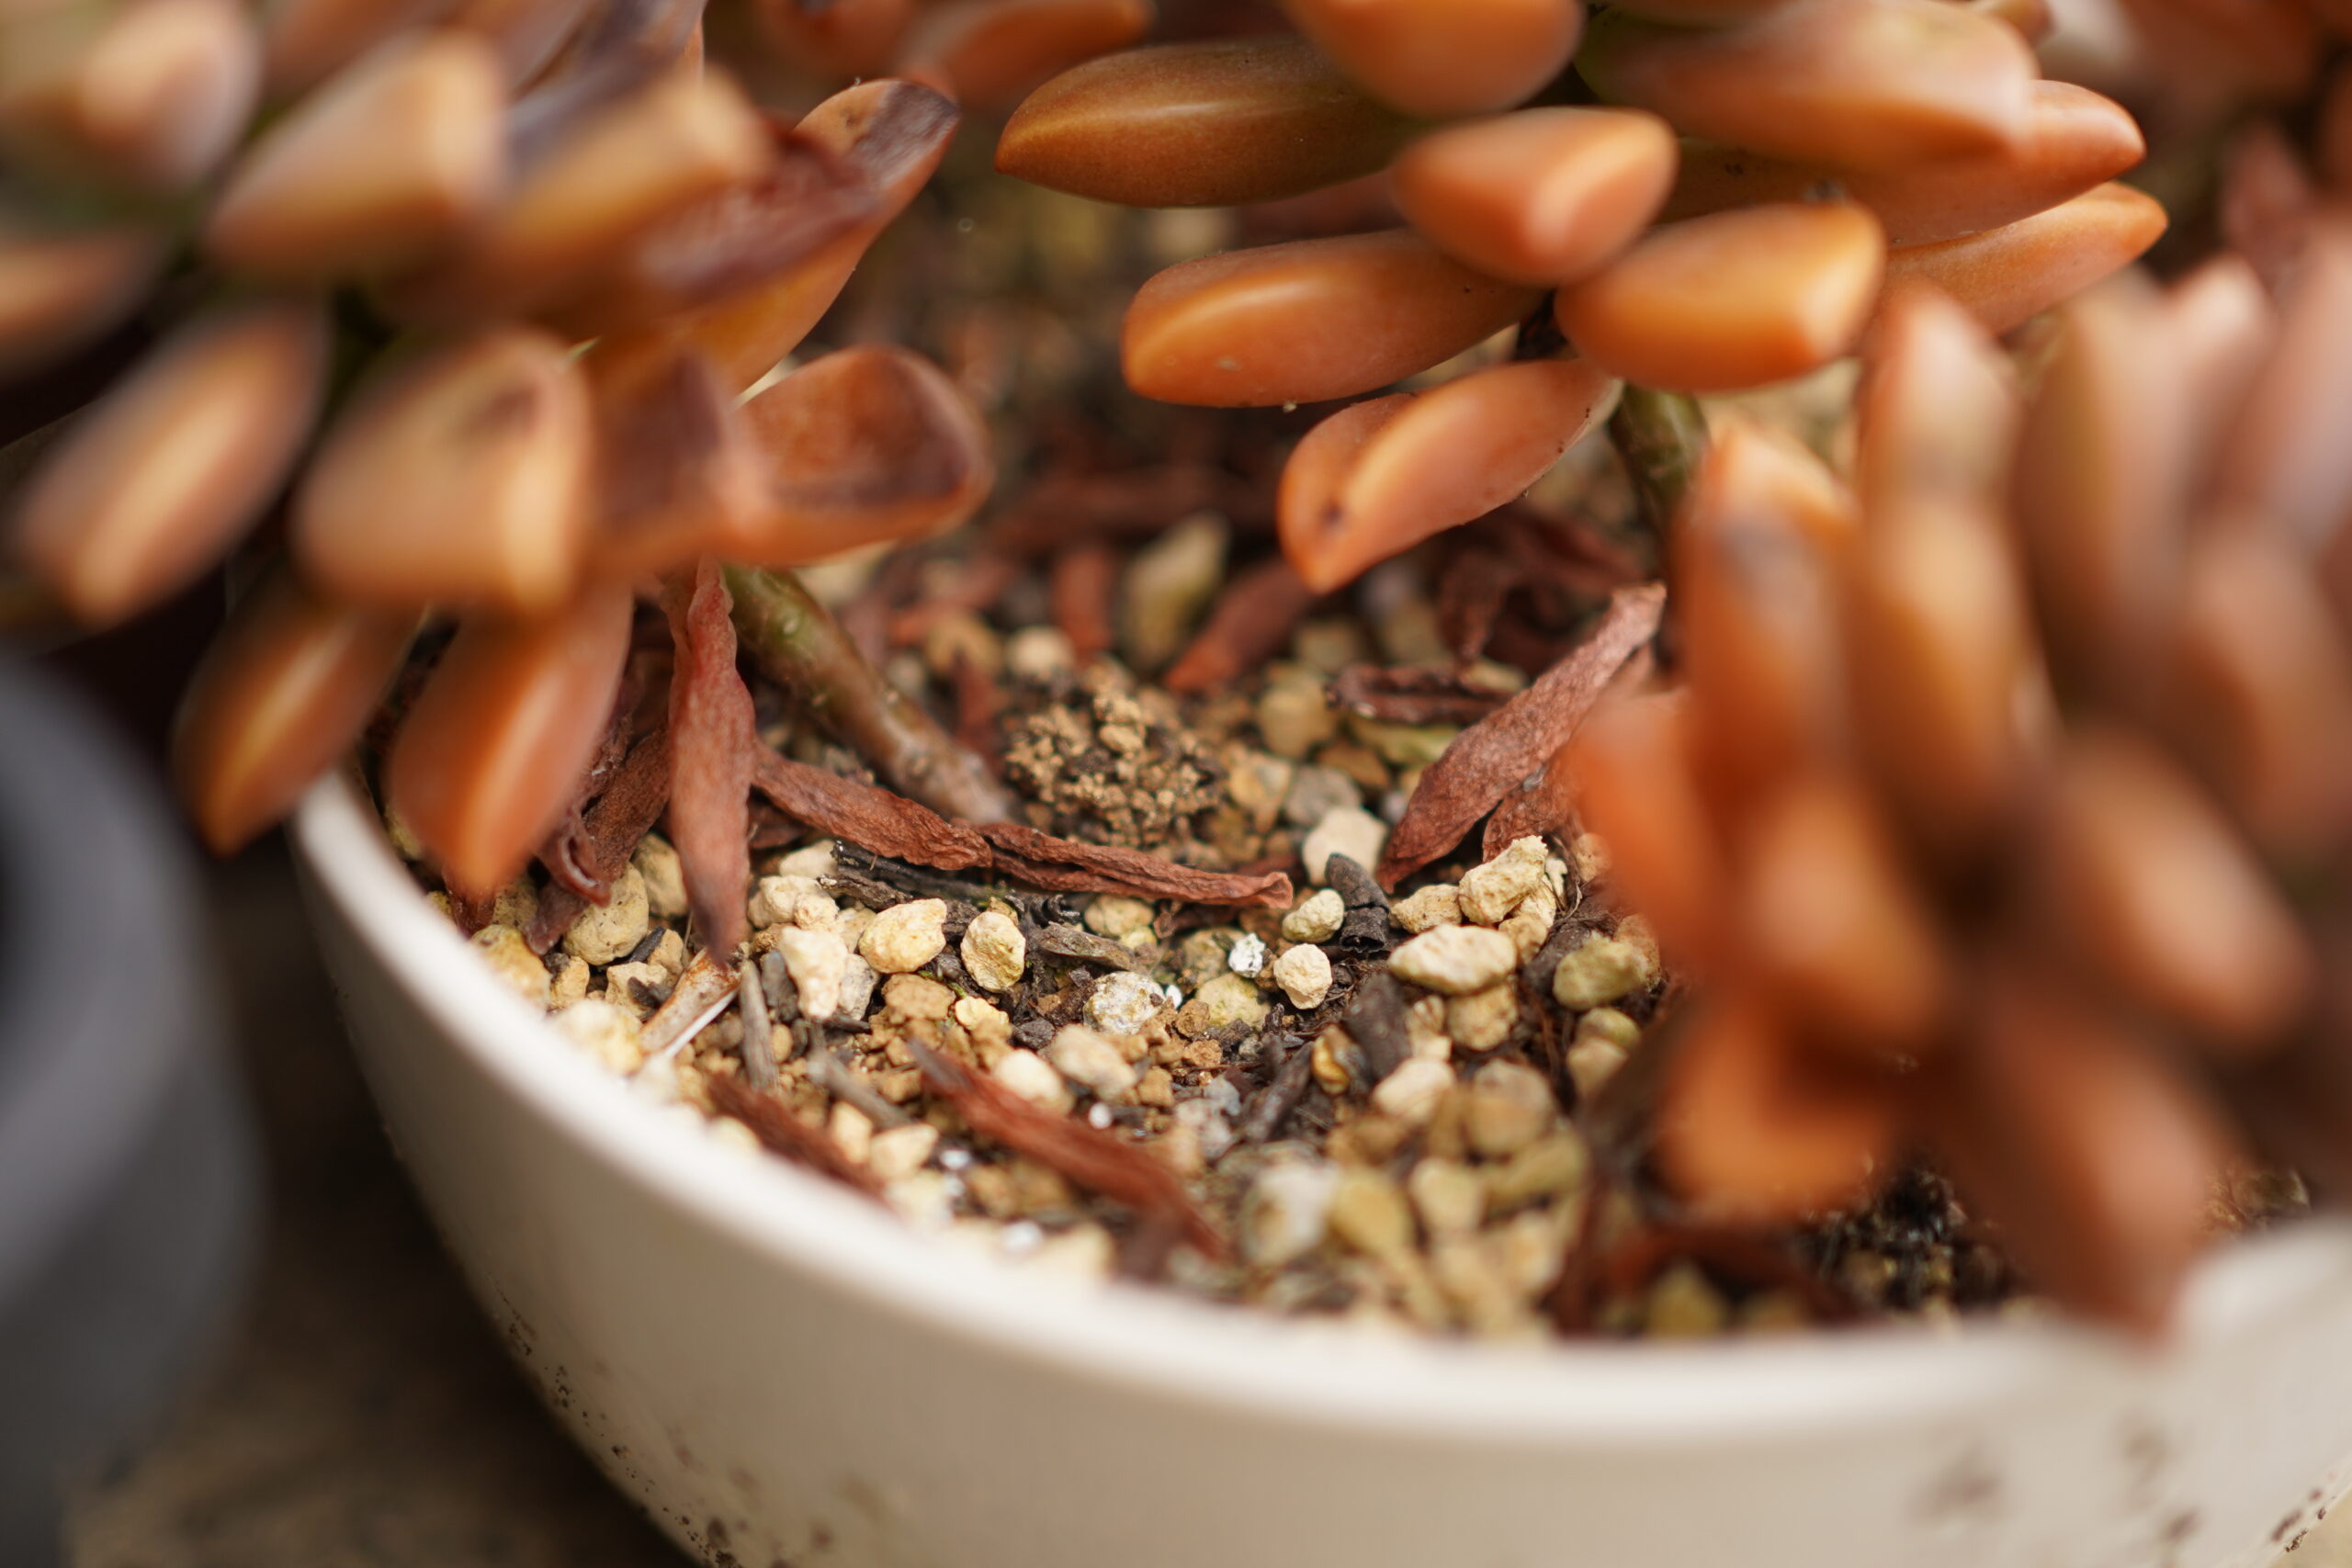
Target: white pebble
{"points": [[818, 962], [511, 959], [904, 937], [852, 1131], [1318, 918], [994, 951], [1456, 960], [1287, 1210], [665, 877], [1039, 653], [1211, 1128], [1597, 972], [1489, 893], [1249, 956], [603, 936], [898, 1152], [1411, 1093], [1087, 1059], [1113, 915], [604, 1034], [1031, 1078], [1437, 905], [1124, 1004], [858, 980], [1355, 833], [1304, 974]]}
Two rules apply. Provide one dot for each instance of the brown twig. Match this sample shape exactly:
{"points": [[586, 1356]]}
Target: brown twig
{"points": [[798, 645]]}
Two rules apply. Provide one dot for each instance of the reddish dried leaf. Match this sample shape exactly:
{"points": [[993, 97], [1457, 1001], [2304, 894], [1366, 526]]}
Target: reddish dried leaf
{"points": [[710, 750], [1470, 599], [1093, 1159], [888, 824], [1251, 624], [786, 1134], [1491, 757], [1065, 865], [1546, 805], [1084, 585], [1413, 695], [598, 848]]}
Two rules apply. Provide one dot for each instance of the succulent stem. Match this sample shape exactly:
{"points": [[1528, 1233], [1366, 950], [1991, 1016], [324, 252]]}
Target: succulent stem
{"points": [[799, 646], [1659, 436]]}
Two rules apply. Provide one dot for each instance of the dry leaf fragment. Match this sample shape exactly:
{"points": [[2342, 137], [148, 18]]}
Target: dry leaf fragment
{"points": [[1489, 759], [711, 742]]}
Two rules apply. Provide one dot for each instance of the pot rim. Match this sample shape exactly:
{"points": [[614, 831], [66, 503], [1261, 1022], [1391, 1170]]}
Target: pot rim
{"points": [[1160, 1344]]}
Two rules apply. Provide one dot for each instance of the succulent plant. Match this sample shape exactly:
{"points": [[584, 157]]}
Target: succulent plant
{"points": [[2001, 811], [1716, 198], [460, 303]]}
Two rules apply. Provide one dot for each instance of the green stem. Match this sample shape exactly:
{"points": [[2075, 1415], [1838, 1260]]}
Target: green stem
{"points": [[799, 646], [1660, 438]]}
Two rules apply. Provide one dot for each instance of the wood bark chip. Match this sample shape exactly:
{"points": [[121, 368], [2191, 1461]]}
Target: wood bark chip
{"points": [[1489, 759], [1546, 804], [890, 825], [608, 835], [565, 854], [1093, 1159], [1251, 623], [787, 1134], [712, 736], [1412, 695]]}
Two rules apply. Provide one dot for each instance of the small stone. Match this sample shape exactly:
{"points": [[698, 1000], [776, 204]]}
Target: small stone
{"points": [[1157, 1088], [1033, 1078], [1425, 1034], [994, 951], [1287, 1212], [852, 1131], [1483, 1019], [1231, 999], [982, 1020], [858, 980], [1335, 1061], [1411, 1093], [1084, 1253], [1593, 1063], [1318, 918], [1167, 586], [669, 954], [1610, 1025], [606, 1034], [1304, 974], [1369, 1213], [1490, 892], [1588, 858], [814, 860], [1209, 1125], [1510, 1107], [1124, 1004], [1257, 782], [1450, 1199], [569, 984], [1315, 792], [775, 899], [1331, 644], [1428, 908], [1597, 972], [917, 998], [1683, 1305], [1530, 926], [621, 981], [511, 959], [609, 934], [818, 964], [665, 878], [899, 1152], [1404, 745], [1293, 715], [734, 1137], [905, 937], [518, 905], [959, 638], [1249, 956], [1115, 917], [1355, 833], [1549, 1168], [925, 1200], [1635, 931], [1455, 960], [1085, 1058], [1534, 1246], [1039, 653]]}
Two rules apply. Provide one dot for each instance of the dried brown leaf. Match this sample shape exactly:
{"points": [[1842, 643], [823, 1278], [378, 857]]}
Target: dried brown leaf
{"points": [[710, 756], [1250, 624], [786, 1134], [598, 848], [1093, 1159], [1491, 757]]}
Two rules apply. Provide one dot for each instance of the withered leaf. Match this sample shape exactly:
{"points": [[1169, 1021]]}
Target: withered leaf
{"points": [[608, 834], [1096, 1160], [710, 756], [1413, 695], [1251, 624], [891, 825], [1489, 759], [786, 1134]]}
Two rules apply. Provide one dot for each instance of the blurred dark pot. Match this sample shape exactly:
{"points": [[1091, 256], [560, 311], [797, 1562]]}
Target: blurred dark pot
{"points": [[128, 1177]]}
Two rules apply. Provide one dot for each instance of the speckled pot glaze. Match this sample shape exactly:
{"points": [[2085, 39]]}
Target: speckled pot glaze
{"points": [[782, 1374]]}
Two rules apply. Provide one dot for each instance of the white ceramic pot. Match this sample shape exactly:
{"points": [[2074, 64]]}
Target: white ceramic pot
{"points": [[782, 1374]]}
